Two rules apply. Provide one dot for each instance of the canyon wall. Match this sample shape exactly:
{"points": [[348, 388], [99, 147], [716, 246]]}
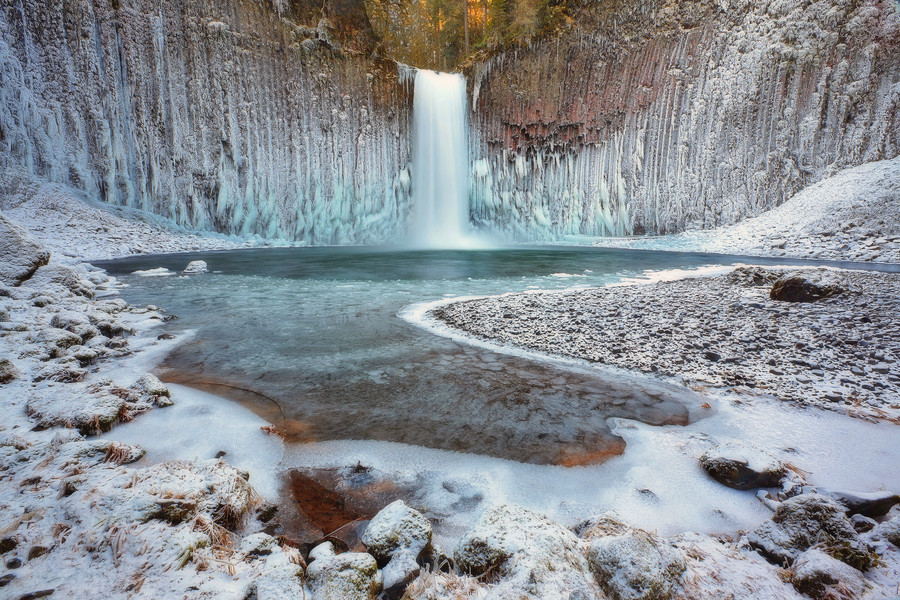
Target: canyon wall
{"points": [[656, 116], [239, 116]]}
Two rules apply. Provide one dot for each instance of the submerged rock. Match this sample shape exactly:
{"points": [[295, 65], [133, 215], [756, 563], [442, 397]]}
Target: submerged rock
{"points": [[819, 576], [636, 566], [348, 576], [742, 467], [805, 287], [807, 520], [20, 255], [534, 557]]}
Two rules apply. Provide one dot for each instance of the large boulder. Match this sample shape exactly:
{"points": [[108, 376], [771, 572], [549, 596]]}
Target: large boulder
{"points": [[62, 278], [348, 576], [820, 576], [805, 287], [742, 467], [533, 556], [805, 521], [20, 255], [636, 566], [397, 536]]}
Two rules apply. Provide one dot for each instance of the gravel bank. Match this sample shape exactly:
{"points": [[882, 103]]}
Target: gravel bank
{"points": [[724, 332]]}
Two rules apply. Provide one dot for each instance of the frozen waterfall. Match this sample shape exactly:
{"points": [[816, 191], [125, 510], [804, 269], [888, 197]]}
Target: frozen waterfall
{"points": [[440, 217]]}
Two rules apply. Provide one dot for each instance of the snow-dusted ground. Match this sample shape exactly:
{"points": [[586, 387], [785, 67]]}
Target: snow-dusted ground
{"points": [[73, 227], [853, 216], [85, 512]]}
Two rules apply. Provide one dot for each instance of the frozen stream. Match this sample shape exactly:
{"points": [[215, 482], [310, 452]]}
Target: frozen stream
{"points": [[311, 339]]}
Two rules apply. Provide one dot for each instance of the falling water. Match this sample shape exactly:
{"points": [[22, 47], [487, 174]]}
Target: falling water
{"points": [[440, 165]]}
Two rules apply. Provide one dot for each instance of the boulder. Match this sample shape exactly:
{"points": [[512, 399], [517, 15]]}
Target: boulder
{"points": [[89, 413], [805, 287], [348, 576], [820, 576], [533, 556], [869, 504], [889, 530], [742, 467], [636, 566], [397, 536], [195, 267], [20, 255], [61, 277], [8, 371], [283, 582], [151, 388], [807, 520]]}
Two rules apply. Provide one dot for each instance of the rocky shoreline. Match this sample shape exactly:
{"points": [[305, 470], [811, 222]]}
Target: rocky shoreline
{"points": [[81, 511], [725, 332]]}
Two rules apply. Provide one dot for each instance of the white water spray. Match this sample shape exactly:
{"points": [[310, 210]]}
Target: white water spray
{"points": [[440, 162]]}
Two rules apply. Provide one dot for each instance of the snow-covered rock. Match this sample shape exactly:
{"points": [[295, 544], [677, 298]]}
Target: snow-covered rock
{"points": [[348, 576], [397, 536], [802, 522], [195, 267], [636, 566], [89, 413], [742, 467], [816, 574], [533, 556], [20, 255], [283, 582], [889, 530], [62, 278], [8, 371]]}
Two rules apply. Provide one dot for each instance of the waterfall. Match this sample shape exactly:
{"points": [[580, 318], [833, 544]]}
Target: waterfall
{"points": [[440, 216]]}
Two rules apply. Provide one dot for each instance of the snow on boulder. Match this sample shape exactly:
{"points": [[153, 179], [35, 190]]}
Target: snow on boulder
{"points": [[533, 556], [820, 576], [61, 278], [804, 521], [89, 413], [636, 566], [888, 530], [195, 267], [150, 386], [283, 582], [869, 504], [258, 544], [397, 536], [348, 576], [742, 467], [20, 255]]}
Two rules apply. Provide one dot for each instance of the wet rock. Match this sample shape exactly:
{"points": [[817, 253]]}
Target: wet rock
{"points": [[804, 521], [820, 576], [195, 267], [8, 371], [636, 566], [348, 576], [803, 287], [742, 467], [533, 556], [20, 255]]}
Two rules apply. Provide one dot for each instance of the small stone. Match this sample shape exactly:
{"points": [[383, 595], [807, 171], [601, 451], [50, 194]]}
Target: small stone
{"points": [[13, 563], [195, 267], [6, 579], [862, 523], [258, 544], [36, 551], [8, 371], [8, 544]]}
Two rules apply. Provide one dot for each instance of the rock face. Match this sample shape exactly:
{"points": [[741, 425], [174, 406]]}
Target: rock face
{"points": [[636, 566], [742, 467], [802, 288], [804, 521], [20, 256], [661, 116], [535, 557], [225, 115]]}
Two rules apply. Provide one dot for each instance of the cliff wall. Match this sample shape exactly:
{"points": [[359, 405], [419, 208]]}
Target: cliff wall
{"points": [[232, 115], [656, 116]]}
